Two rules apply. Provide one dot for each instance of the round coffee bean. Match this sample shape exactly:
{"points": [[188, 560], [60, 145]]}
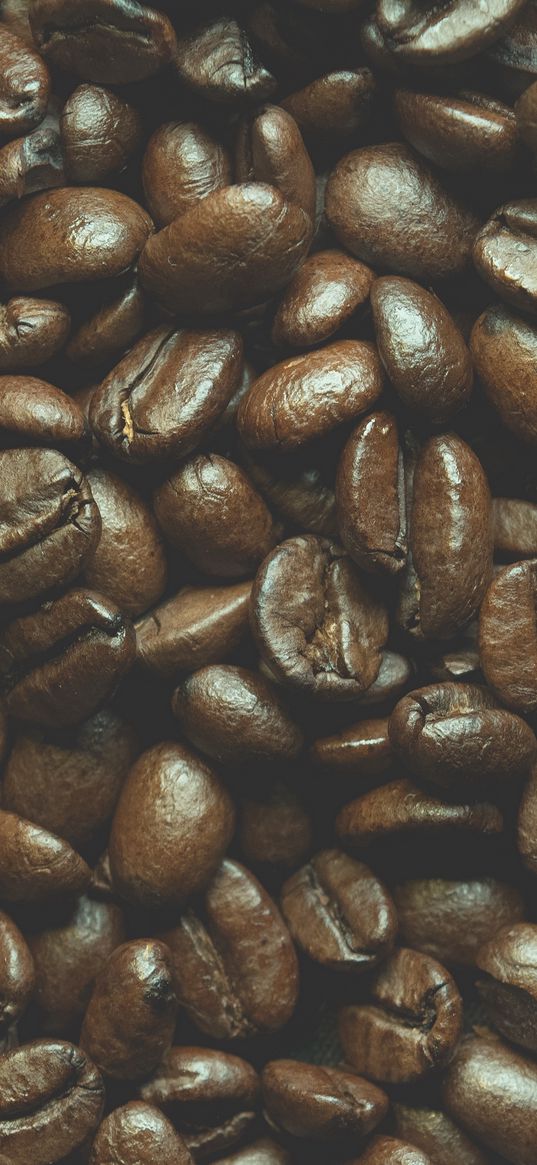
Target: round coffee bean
{"points": [[504, 348], [515, 528], [31, 163], [17, 973], [434, 1133], [31, 332], [391, 1151], [217, 61], [508, 636], [450, 920], [182, 164], [320, 1103], [35, 864], [492, 1092], [466, 133], [326, 293], [99, 131], [129, 563], [337, 105], [362, 750], [505, 251], [508, 961], [457, 30], [401, 807], [196, 627], [138, 1132], [33, 412], [24, 85], [112, 328], [109, 41], [270, 149]]}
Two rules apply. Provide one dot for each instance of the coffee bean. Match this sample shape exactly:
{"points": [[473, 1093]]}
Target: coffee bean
{"points": [[434, 1133], [508, 962], [336, 105], [325, 294], [35, 864], [196, 627], [470, 132], [401, 807], [17, 973], [504, 253], [456, 31], [370, 495], [513, 57], [31, 163], [363, 750], [275, 830], [263, 1152], [450, 919], [503, 347], [527, 823], [138, 1132], [508, 636], [525, 111], [492, 1092], [270, 149], [24, 85], [320, 1103], [109, 41], [391, 1151], [218, 62], [100, 131], [300, 495], [129, 563], [31, 331], [33, 412], [182, 164], [515, 528]]}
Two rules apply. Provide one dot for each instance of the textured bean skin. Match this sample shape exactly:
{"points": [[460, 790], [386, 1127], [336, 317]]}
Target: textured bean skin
{"points": [[327, 290], [138, 1132], [312, 1101], [400, 806], [435, 1134], [270, 149], [31, 331], [371, 505], [507, 636], [111, 43], [185, 152], [451, 919], [35, 864], [217, 60], [129, 563], [17, 974], [503, 347], [197, 627], [466, 133], [504, 253], [33, 412], [25, 85], [507, 963], [490, 1090], [392, 1151], [450, 34], [99, 133]]}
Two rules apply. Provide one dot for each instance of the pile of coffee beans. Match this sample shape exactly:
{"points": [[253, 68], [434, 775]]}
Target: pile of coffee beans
{"points": [[268, 582]]}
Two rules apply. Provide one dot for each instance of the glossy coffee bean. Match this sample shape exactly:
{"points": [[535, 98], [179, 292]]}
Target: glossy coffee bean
{"points": [[392, 1151], [31, 332], [455, 31], [138, 1133], [336, 105], [507, 964], [234, 716], [515, 528], [320, 1103], [505, 250], [166, 393], [491, 1091], [503, 346], [411, 1024], [387, 207], [112, 328], [68, 781], [362, 750], [128, 564], [60, 663], [24, 87], [508, 636], [466, 133], [209, 509], [36, 865], [270, 149], [339, 913], [130, 1018], [370, 495], [450, 919], [210, 1096], [435, 1134], [171, 828], [325, 294], [421, 348], [100, 132], [33, 412], [400, 807], [236, 248], [70, 235], [17, 973], [196, 627], [300, 496], [217, 61], [458, 737], [51, 1102], [525, 111], [31, 163], [263, 1152], [275, 830], [329, 639], [235, 966], [109, 42], [182, 164]]}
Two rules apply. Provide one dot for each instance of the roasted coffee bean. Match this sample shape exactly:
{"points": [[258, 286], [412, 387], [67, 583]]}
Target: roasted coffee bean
{"points": [[31, 163], [400, 807], [339, 913], [370, 495], [236, 248], [455, 31], [69, 951], [470, 132], [110, 42], [218, 62], [508, 636], [24, 85], [513, 58], [233, 715], [171, 828], [320, 1103], [434, 1133], [301, 497], [450, 920], [60, 663], [363, 750], [182, 164], [275, 828], [138, 1133], [100, 131], [411, 1024], [235, 966], [50, 524], [35, 864], [325, 294], [51, 1103], [307, 396], [458, 737], [422, 350], [33, 412], [17, 973], [128, 564], [210, 1096], [515, 528], [388, 208], [130, 1018], [337, 105], [527, 823], [112, 328], [209, 509], [507, 984], [391, 1151], [263, 1152], [526, 112], [505, 251], [198, 626], [315, 622], [70, 235], [68, 781], [504, 347], [31, 332], [491, 1091], [270, 149]]}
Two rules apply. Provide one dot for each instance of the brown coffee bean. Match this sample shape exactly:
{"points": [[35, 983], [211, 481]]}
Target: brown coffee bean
{"points": [[391, 1151], [315, 623], [182, 164], [492, 1092], [336, 105], [69, 781], [508, 636], [17, 973], [450, 920], [31, 332], [388, 208], [434, 1133], [421, 348], [130, 1018], [504, 348], [515, 528], [513, 57], [305, 397], [275, 828], [70, 235], [469, 132], [218, 62], [35, 864], [99, 131], [323, 295], [51, 1103], [508, 984], [370, 495], [505, 251], [235, 965], [198, 626], [112, 328], [129, 563], [458, 30], [236, 248], [320, 1103], [300, 496], [263, 1152], [24, 85], [210, 1096], [456, 736], [527, 823], [60, 663], [411, 1025], [209, 509], [270, 149], [140, 1134], [33, 412], [166, 393], [171, 828], [339, 913], [109, 42], [234, 716], [69, 952], [401, 807], [526, 113], [362, 750], [31, 163]]}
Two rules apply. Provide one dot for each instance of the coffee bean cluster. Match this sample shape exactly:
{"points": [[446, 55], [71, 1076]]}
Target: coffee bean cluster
{"points": [[268, 582]]}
